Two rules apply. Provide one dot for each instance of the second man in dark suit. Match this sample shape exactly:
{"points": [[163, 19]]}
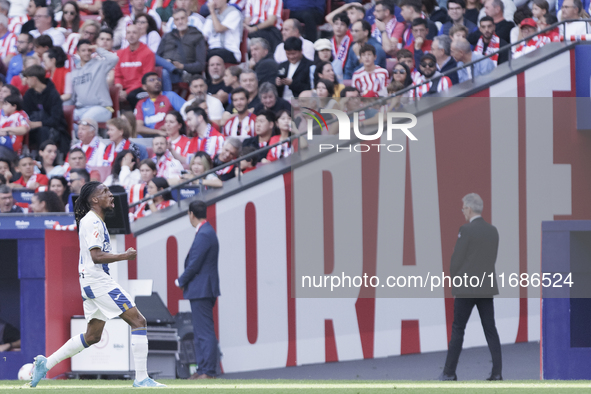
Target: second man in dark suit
{"points": [[294, 74], [475, 254], [201, 285]]}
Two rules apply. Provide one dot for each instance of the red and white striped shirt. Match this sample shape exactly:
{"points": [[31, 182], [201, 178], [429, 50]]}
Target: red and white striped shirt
{"points": [[242, 129], [167, 166], [258, 11], [181, 144], [211, 143], [94, 151], [533, 44], [136, 193], [41, 179], [17, 119], [16, 23], [7, 45], [375, 81], [443, 84], [279, 151], [141, 210], [71, 43], [111, 151], [493, 46]]}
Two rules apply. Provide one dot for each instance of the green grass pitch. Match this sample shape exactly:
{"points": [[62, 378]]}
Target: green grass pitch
{"points": [[223, 386]]}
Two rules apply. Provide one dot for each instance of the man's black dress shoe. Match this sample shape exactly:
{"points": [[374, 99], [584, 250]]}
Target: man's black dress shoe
{"points": [[444, 376]]}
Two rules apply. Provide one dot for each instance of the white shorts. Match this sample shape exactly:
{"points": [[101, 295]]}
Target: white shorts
{"points": [[107, 306]]}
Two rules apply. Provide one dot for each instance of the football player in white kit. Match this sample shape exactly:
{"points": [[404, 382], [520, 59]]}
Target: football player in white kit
{"points": [[103, 298]]}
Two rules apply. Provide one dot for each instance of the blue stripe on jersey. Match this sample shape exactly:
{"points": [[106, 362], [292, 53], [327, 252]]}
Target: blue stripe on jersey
{"points": [[88, 292], [122, 302], [106, 268], [107, 241]]}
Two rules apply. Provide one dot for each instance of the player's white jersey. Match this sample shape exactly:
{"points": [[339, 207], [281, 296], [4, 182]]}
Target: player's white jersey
{"points": [[94, 278]]}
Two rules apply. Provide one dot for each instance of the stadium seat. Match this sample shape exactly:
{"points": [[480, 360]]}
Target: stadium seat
{"points": [[390, 63], [69, 115], [103, 171], [114, 92], [284, 14]]}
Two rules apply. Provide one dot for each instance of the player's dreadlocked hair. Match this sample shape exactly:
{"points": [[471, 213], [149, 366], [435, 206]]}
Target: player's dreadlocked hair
{"points": [[82, 206]]}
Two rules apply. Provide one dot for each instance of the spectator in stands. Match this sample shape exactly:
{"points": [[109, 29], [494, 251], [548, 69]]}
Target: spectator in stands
{"points": [[139, 7], [41, 45], [232, 77], [325, 70], [420, 44], [354, 12], [571, 9], [198, 89], [411, 10], [200, 164], [401, 73], [147, 30], [70, 22], [90, 143], [194, 19], [116, 21], [309, 12], [89, 31], [386, 29], [529, 27], [456, 9], [473, 8], [148, 171], [28, 178], [247, 164], [183, 49], [176, 135], [6, 170], [262, 18], [370, 78], [76, 159], [462, 52], [167, 166], [17, 81], [342, 41], [124, 171], [494, 9], [261, 60], [7, 41], [264, 129], [270, 100], [489, 42], [91, 94], [150, 112], [428, 70], [78, 177], [119, 132], [230, 151], [48, 157], [105, 39], [547, 21], [134, 62], [24, 47], [7, 201], [293, 76], [223, 31], [441, 49], [16, 21], [248, 81], [59, 186], [216, 86], [14, 122], [32, 6], [458, 31], [46, 202], [283, 123], [43, 104], [44, 25], [242, 124], [157, 203], [293, 28], [361, 32], [205, 138], [539, 9], [323, 53], [54, 61]]}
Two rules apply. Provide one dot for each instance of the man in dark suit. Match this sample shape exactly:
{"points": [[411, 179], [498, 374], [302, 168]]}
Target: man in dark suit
{"points": [[294, 74], [475, 254], [201, 285], [441, 49]]}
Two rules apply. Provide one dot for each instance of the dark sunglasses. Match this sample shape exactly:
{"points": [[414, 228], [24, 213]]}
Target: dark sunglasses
{"points": [[398, 72], [428, 65]]}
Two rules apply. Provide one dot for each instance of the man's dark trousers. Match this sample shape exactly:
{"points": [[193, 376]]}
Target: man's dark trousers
{"points": [[206, 344]]}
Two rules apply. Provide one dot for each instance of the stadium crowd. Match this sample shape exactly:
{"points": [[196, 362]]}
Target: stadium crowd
{"points": [[148, 94]]}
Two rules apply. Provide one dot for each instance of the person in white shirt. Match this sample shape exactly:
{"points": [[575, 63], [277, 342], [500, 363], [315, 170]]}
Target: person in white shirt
{"points": [[43, 23], [125, 170], [198, 89], [90, 143], [223, 31], [195, 19], [293, 28], [167, 166], [571, 9]]}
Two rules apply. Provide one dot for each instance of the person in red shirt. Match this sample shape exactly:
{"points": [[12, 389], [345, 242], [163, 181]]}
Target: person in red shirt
{"points": [[205, 138], [28, 178], [14, 123], [419, 45], [156, 203], [134, 62], [285, 149]]}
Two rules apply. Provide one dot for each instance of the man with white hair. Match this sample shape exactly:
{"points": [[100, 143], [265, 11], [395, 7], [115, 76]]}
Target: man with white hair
{"points": [[293, 28], [44, 25], [90, 144], [261, 60], [14, 24], [441, 49], [461, 51], [7, 41], [475, 254], [571, 9]]}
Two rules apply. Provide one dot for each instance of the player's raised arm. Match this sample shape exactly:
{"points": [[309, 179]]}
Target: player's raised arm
{"points": [[100, 257]]}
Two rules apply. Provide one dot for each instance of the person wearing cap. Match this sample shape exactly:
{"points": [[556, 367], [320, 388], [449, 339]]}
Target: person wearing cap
{"points": [[323, 53], [293, 28], [90, 143], [529, 27], [428, 69]]}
